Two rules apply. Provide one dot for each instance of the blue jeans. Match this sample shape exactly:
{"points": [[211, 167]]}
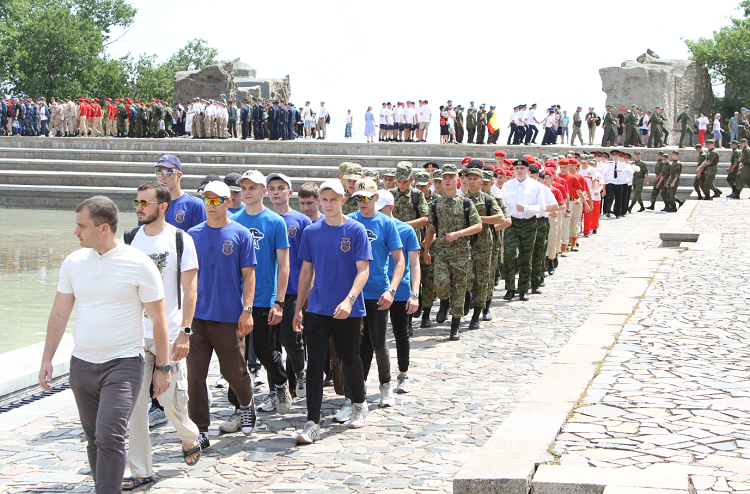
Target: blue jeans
{"points": [[348, 130], [734, 135]]}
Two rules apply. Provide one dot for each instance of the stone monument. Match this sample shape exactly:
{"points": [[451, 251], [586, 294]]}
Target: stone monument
{"points": [[650, 81], [235, 79]]}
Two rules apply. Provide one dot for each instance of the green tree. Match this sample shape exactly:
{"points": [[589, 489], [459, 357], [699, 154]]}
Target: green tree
{"points": [[195, 55]]}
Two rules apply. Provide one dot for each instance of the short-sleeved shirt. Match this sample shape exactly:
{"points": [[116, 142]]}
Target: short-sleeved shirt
{"points": [[222, 255], [334, 252], [383, 236], [109, 291], [268, 230], [186, 212], [574, 185], [162, 249], [410, 244], [296, 223]]}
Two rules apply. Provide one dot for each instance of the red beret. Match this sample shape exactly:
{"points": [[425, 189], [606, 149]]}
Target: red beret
{"points": [[108, 99], [466, 160], [137, 101], [507, 161], [500, 154], [148, 104], [509, 173], [96, 99], [152, 99], [563, 161]]}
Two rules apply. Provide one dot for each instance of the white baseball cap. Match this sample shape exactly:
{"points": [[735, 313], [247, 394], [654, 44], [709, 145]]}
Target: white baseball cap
{"points": [[253, 176], [385, 198], [334, 185], [218, 187], [280, 176]]}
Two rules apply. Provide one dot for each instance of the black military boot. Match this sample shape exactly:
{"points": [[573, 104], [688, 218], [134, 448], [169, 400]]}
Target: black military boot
{"points": [[556, 260], [486, 316], [509, 295], [467, 303], [630, 208], [502, 272], [643, 208], [426, 317], [523, 297], [700, 196], [717, 193], [474, 324], [443, 311], [651, 207], [455, 322]]}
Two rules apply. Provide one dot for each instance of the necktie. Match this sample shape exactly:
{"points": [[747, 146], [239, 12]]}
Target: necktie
{"points": [[615, 170]]}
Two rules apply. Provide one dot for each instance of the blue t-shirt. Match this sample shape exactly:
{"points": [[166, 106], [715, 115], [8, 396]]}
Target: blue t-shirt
{"points": [[186, 212], [296, 223], [334, 252], [383, 239], [268, 231], [222, 254], [409, 239], [231, 211]]}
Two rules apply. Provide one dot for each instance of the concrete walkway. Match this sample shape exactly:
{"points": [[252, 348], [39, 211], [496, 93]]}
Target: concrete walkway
{"points": [[461, 391]]}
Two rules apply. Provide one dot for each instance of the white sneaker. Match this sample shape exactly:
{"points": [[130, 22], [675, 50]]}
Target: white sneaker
{"points": [[283, 400], [345, 413], [220, 382], [309, 434], [269, 405], [402, 385], [301, 390], [359, 417], [386, 395], [257, 376], [233, 424]]}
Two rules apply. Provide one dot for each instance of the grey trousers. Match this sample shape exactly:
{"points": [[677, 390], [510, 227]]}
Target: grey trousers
{"points": [[105, 395]]}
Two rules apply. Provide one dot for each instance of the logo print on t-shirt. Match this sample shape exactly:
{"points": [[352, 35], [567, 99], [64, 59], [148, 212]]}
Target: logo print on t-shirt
{"points": [[228, 247], [160, 259], [257, 237], [292, 231], [371, 236], [346, 244], [180, 216]]}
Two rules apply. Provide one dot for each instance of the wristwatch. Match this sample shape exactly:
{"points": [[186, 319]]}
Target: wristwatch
{"points": [[187, 330], [352, 298], [249, 309], [392, 292], [415, 294], [280, 303], [166, 368]]}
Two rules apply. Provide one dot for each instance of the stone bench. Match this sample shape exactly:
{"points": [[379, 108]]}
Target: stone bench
{"points": [[673, 239]]}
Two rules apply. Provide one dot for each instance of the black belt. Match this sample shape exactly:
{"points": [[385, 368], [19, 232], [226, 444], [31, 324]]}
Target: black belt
{"points": [[522, 220]]}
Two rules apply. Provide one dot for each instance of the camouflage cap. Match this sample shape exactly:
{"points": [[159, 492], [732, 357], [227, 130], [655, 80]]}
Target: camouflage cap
{"points": [[676, 152], [487, 175], [353, 172], [734, 142], [437, 175], [449, 169], [709, 141], [403, 170], [474, 171], [421, 178], [371, 173], [389, 172], [743, 140], [343, 166]]}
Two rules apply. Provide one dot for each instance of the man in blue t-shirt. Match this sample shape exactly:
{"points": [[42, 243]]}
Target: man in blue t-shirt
{"points": [[337, 252], [280, 191], [223, 310], [406, 301], [271, 244], [235, 202], [185, 211], [380, 289]]}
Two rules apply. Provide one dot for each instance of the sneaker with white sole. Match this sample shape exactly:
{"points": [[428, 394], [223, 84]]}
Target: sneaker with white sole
{"points": [[269, 405], [156, 417], [301, 388], [283, 400], [345, 413], [248, 419], [309, 434], [257, 376], [359, 416], [402, 386], [233, 424], [386, 395], [220, 382]]}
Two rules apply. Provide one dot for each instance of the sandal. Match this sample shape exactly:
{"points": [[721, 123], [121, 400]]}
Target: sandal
{"points": [[135, 482], [190, 452]]}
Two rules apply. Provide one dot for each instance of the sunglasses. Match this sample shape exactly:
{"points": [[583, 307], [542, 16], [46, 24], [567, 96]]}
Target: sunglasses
{"points": [[164, 173], [213, 201], [363, 199], [144, 203]]}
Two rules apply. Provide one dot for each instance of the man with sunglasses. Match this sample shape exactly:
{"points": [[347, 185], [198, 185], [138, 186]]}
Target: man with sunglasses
{"points": [[185, 211], [223, 311]]}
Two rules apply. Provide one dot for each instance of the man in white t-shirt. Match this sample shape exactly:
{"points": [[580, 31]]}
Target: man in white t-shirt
{"points": [[383, 124], [424, 124], [398, 127], [158, 240], [110, 284]]}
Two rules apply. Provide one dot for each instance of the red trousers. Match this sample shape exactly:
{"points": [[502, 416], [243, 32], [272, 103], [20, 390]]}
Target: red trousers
{"points": [[591, 218]]}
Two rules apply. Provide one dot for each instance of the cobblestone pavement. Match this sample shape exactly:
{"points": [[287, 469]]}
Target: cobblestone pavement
{"points": [[461, 391], [675, 386]]}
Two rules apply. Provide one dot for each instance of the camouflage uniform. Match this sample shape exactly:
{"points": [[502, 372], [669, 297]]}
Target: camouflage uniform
{"points": [[686, 121], [610, 130], [452, 260], [657, 126], [459, 126], [734, 166], [638, 179], [427, 270], [481, 126], [657, 173], [631, 129], [481, 250], [403, 207], [743, 178], [674, 174], [350, 171], [539, 255], [492, 137], [709, 173], [743, 127], [471, 124], [497, 246], [666, 172], [697, 181]]}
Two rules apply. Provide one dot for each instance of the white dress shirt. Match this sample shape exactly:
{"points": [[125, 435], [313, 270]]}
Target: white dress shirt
{"points": [[528, 193], [549, 198]]}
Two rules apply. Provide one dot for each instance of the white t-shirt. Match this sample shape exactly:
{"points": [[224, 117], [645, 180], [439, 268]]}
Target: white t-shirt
{"points": [[307, 114], [702, 123], [348, 118], [520, 117], [589, 174], [717, 124], [426, 114], [397, 115], [382, 115], [110, 291], [162, 249], [646, 118], [451, 117], [530, 118]]}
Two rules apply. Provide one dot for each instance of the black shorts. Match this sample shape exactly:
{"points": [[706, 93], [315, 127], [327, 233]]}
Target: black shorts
{"points": [[619, 131]]}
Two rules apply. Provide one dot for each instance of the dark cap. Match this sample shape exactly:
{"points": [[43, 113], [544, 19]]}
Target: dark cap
{"points": [[170, 161], [533, 169], [209, 178], [521, 163], [432, 164], [231, 181]]}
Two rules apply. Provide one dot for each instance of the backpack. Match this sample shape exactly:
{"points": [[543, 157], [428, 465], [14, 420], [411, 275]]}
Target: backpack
{"points": [[467, 211], [328, 118], [159, 111], [130, 235], [414, 200]]}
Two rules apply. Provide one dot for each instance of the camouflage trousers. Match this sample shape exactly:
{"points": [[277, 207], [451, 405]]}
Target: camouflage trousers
{"points": [[519, 238], [539, 257], [637, 193], [480, 134], [743, 178], [732, 177], [655, 190], [428, 282], [494, 265], [459, 134], [707, 180], [493, 137], [481, 254], [453, 280]]}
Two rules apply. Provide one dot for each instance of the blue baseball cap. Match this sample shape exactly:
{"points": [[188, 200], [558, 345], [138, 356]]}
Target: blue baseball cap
{"points": [[744, 109], [169, 161]]}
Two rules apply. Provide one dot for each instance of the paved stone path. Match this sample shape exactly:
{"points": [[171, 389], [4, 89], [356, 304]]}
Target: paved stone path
{"points": [[675, 386], [461, 391]]}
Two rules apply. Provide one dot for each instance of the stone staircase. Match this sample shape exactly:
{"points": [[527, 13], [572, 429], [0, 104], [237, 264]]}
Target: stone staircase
{"points": [[58, 173]]}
